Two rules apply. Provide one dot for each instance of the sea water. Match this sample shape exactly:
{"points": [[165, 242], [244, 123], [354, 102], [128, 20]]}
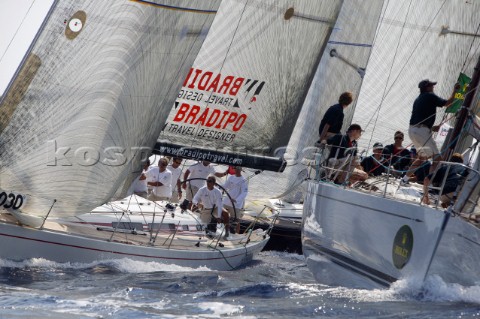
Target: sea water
{"points": [[273, 285]]}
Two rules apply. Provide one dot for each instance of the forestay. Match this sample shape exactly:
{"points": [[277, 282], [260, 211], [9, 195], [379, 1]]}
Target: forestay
{"points": [[90, 100], [249, 81]]}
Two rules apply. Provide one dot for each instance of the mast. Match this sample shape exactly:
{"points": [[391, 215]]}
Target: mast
{"points": [[464, 111]]}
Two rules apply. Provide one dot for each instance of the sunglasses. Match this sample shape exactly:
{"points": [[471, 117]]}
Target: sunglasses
{"points": [[210, 181]]}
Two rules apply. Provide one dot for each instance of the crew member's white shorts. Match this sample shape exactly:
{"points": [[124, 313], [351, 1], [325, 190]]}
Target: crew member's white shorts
{"points": [[421, 137]]}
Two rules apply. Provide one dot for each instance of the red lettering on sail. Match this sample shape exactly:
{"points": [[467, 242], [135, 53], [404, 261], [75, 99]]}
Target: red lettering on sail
{"points": [[204, 80], [197, 73], [207, 81], [188, 77], [236, 86], [213, 86], [182, 110], [192, 114], [213, 118], [239, 123]]}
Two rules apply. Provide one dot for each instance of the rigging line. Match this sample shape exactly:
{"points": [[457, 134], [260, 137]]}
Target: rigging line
{"points": [[469, 49], [16, 31], [384, 94]]}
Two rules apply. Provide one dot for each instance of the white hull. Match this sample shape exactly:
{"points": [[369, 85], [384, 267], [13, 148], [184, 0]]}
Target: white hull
{"points": [[85, 243], [349, 239]]}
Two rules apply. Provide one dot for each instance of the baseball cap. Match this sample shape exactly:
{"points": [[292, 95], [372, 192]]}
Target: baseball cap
{"points": [[425, 83], [377, 145]]}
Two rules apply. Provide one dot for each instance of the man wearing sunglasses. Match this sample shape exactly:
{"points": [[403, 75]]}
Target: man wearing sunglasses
{"points": [[399, 156]]}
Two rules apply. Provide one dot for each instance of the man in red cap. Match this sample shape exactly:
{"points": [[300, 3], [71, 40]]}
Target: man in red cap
{"points": [[423, 116]]}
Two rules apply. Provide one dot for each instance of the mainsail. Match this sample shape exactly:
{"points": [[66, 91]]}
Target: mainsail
{"points": [[90, 99], [416, 40], [246, 87]]}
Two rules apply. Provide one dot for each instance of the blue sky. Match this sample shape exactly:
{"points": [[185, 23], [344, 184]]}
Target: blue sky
{"points": [[19, 21]]}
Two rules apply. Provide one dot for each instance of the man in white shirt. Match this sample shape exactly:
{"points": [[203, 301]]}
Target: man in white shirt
{"points": [[209, 200], [176, 170], [197, 173], [139, 185], [160, 179], [237, 187]]}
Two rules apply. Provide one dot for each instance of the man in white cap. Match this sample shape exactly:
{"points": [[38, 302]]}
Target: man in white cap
{"points": [[374, 164]]}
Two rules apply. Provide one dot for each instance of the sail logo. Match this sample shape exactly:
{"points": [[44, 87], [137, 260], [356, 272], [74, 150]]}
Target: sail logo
{"points": [[212, 105], [249, 94], [402, 247]]}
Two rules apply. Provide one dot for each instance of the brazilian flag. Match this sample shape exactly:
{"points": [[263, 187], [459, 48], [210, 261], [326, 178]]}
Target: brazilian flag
{"points": [[463, 80]]}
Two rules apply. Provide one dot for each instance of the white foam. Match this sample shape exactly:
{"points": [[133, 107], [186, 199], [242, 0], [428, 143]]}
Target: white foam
{"points": [[124, 265], [434, 289], [219, 309]]}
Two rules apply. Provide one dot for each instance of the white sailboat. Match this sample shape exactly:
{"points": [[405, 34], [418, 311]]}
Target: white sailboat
{"points": [[374, 235], [80, 116]]}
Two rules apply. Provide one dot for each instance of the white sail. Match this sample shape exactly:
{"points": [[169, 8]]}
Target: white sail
{"points": [[416, 40], [92, 96], [248, 83]]}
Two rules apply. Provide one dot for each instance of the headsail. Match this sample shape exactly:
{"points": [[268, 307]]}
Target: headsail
{"points": [[91, 98], [248, 83]]}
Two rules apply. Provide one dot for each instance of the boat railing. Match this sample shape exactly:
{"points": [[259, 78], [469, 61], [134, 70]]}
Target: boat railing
{"points": [[260, 216], [465, 198], [439, 188], [331, 168]]}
